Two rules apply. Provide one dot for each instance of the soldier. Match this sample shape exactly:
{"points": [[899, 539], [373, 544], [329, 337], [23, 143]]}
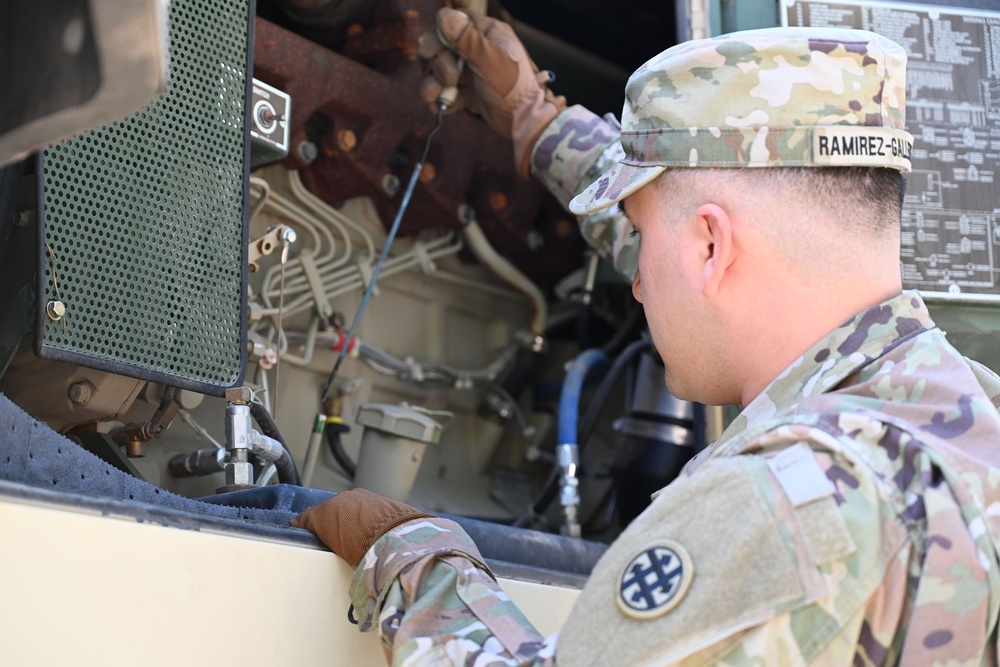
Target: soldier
{"points": [[851, 513]]}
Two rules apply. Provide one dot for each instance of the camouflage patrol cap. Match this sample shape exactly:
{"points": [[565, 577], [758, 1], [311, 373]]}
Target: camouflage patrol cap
{"points": [[777, 97]]}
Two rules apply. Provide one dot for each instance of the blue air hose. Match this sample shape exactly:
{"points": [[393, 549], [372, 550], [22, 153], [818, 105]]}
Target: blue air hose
{"points": [[572, 387]]}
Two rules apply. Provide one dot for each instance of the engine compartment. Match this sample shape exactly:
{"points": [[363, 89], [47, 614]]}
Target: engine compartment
{"points": [[475, 330]]}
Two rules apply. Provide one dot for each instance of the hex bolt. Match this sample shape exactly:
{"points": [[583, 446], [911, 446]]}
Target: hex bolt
{"points": [[498, 201], [427, 173], [346, 140], [466, 213], [289, 235], [239, 395], [535, 240], [23, 218], [391, 184], [80, 393], [308, 151], [55, 310]]}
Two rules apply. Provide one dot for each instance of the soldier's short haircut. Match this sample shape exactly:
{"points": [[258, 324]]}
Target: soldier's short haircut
{"points": [[871, 196], [866, 199]]}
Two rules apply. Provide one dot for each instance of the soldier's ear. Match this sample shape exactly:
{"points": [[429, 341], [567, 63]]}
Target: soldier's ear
{"points": [[716, 245]]}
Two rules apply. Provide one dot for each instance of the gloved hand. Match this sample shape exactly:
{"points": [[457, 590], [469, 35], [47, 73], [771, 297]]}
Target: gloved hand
{"points": [[352, 521], [499, 82]]}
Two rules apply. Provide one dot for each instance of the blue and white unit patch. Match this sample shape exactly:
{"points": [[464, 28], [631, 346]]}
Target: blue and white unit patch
{"points": [[655, 580]]}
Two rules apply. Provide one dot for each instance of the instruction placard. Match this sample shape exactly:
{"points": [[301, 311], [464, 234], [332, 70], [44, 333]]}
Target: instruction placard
{"points": [[951, 216]]}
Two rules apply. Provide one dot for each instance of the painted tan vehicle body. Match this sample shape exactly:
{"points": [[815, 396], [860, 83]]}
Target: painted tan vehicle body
{"points": [[82, 588]]}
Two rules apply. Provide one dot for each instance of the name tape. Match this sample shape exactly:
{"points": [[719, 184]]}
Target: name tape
{"points": [[852, 145]]}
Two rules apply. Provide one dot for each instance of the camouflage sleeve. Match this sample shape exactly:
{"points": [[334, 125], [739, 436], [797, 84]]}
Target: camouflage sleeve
{"points": [[434, 601], [571, 153], [988, 380]]}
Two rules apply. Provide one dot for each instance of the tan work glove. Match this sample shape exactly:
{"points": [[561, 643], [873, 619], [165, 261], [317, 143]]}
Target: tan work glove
{"points": [[352, 521], [499, 82]]}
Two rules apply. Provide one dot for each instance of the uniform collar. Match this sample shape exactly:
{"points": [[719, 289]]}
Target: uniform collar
{"points": [[850, 347]]}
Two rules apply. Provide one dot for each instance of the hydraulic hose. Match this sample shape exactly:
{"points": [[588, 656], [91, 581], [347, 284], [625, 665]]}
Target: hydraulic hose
{"points": [[572, 387], [622, 361], [517, 378], [564, 475], [333, 430], [285, 465], [551, 488], [624, 332], [287, 472], [567, 449]]}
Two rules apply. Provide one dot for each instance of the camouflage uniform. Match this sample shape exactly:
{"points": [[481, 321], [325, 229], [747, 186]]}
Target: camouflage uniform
{"points": [[849, 515], [876, 546], [571, 153]]}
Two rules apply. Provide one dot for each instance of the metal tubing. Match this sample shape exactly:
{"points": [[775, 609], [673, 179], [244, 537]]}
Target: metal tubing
{"points": [[196, 464], [490, 258]]}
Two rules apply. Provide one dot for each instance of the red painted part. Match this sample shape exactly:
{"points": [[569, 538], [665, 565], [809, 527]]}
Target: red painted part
{"points": [[341, 337], [374, 94]]}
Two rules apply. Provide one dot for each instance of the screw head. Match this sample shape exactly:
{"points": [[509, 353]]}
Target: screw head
{"points": [[55, 310], [535, 240], [80, 393], [346, 140], [498, 201], [428, 173], [391, 184], [466, 213], [308, 151]]}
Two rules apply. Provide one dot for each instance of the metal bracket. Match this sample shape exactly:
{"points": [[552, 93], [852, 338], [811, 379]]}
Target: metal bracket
{"points": [[265, 245], [424, 258], [135, 436], [308, 262], [366, 270]]}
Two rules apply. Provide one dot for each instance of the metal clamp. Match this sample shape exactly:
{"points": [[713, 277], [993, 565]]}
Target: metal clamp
{"points": [[135, 436], [242, 440], [265, 245], [568, 458]]}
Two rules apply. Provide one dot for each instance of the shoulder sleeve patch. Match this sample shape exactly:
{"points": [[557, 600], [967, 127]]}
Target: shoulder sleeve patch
{"points": [[655, 580], [748, 562]]}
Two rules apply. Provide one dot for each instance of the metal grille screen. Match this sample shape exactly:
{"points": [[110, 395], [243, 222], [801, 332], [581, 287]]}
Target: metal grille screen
{"points": [[143, 221]]}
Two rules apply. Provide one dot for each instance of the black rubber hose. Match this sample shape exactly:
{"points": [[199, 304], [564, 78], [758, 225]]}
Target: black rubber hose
{"points": [[285, 465], [517, 378], [624, 332], [586, 430], [622, 361], [336, 445], [287, 472], [584, 330]]}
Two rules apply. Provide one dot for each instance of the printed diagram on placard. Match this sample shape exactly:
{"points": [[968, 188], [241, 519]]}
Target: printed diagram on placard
{"points": [[951, 215]]}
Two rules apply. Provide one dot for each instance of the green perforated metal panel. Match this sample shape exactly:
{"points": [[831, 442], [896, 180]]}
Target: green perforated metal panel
{"points": [[143, 223]]}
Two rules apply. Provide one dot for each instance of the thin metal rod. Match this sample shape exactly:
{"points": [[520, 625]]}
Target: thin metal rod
{"points": [[281, 310], [349, 341]]}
